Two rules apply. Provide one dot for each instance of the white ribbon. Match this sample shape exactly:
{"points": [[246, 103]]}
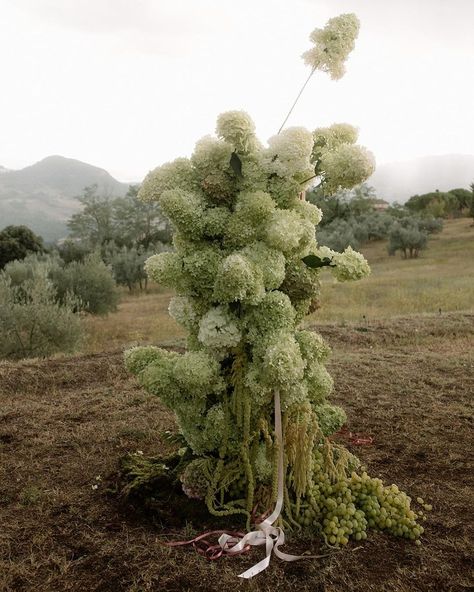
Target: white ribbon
{"points": [[266, 534]]}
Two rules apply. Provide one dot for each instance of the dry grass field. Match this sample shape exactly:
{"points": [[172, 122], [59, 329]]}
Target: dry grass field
{"points": [[403, 370], [441, 279], [66, 422]]}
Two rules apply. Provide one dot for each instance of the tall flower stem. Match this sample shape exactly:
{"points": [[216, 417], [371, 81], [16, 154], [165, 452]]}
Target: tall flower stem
{"points": [[296, 100]]}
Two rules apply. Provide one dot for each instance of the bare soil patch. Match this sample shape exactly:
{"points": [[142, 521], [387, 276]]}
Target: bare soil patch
{"points": [[66, 422]]}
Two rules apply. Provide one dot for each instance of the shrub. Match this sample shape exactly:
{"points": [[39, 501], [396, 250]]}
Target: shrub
{"points": [[19, 271], [409, 241], [71, 250], [128, 263], [32, 322], [90, 281], [16, 242]]}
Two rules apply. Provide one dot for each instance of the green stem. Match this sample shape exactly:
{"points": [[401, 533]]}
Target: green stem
{"points": [[296, 100]]}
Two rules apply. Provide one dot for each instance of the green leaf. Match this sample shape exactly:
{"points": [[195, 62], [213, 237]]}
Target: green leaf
{"points": [[314, 261], [236, 165]]}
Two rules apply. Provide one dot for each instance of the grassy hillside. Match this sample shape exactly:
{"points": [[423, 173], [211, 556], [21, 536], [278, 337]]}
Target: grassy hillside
{"points": [[65, 423], [441, 279]]}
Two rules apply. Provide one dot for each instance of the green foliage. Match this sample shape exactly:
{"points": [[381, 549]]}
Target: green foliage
{"points": [[350, 220], [138, 223], [16, 242], [72, 250], [94, 224], [32, 321], [33, 265], [471, 203], [440, 204], [407, 237], [128, 264], [125, 221], [90, 281]]}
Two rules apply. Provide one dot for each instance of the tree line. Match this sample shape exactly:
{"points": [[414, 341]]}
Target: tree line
{"points": [[45, 289]]}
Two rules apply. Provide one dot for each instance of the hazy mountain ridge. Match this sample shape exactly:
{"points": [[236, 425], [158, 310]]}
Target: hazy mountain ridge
{"points": [[43, 195], [398, 181]]}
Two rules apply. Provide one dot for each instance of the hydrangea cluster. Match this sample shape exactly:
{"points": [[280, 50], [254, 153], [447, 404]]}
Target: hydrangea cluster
{"points": [[338, 160], [332, 45], [241, 234], [243, 241]]}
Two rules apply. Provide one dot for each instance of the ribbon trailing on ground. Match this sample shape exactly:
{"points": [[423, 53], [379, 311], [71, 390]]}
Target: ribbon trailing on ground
{"points": [[266, 534], [354, 438], [273, 537], [204, 547]]}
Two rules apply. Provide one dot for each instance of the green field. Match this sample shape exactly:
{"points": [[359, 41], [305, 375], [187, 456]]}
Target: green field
{"points": [[441, 279]]}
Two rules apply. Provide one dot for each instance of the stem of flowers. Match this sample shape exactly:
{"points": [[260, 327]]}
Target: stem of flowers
{"points": [[297, 99]]}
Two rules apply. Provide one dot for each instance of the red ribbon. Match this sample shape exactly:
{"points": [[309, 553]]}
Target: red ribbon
{"points": [[355, 438], [210, 551]]}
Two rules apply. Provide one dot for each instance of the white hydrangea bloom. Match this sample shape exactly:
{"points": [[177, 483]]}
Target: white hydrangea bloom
{"points": [[238, 279], [324, 252], [166, 269], [288, 232], [238, 129], [347, 166], [332, 45], [211, 154], [177, 174], [282, 364], [181, 309], [289, 153], [219, 329], [350, 265], [308, 211], [330, 138]]}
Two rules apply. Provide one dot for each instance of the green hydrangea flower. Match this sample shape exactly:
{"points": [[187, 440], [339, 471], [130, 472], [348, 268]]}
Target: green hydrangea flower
{"points": [[346, 167], [313, 347], [219, 329], [198, 374], [270, 262], [238, 279], [274, 313], [166, 269], [332, 45], [238, 129], [246, 224], [330, 418], [288, 232], [178, 174], [318, 381], [185, 210]]}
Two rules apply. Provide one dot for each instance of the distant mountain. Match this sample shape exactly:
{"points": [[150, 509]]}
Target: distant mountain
{"points": [[3, 169], [397, 181], [42, 196]]}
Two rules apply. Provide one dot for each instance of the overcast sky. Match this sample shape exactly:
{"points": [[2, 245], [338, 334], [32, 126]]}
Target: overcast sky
{"points": [[129, 84]]}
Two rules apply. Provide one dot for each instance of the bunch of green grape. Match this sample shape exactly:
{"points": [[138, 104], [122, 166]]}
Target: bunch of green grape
{"points": [[348, 507]]}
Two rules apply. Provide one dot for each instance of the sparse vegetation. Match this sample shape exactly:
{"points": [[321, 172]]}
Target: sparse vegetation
{"points": [[32, 321], [440, 280], [90, 281]]}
